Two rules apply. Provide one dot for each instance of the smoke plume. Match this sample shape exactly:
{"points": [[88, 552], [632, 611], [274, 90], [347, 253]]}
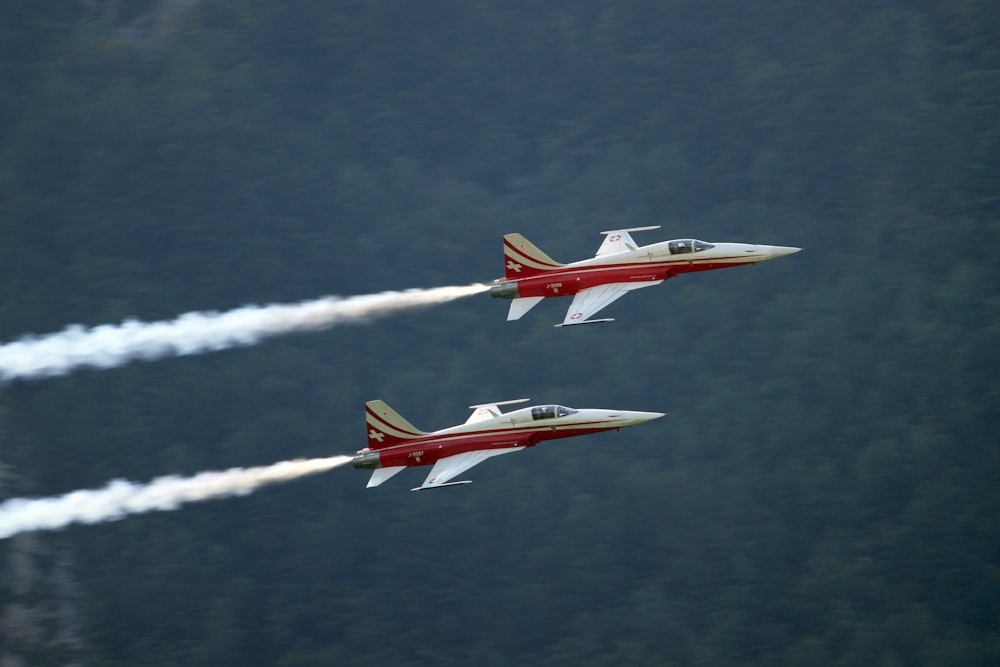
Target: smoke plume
{"points": [[121, 498], [108, 346]]}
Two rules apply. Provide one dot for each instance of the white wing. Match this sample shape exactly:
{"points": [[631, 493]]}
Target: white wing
{"points": [[619, 240], [450, 466], [615, 242], [485, 411], [482, 413], [589, 301]]}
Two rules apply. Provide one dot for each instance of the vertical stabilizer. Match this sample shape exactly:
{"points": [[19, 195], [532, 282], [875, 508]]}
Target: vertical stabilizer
{"points": [[386, 427], [522, 258]]}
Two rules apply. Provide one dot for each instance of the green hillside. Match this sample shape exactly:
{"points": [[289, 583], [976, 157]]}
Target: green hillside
{"points": [[824, 490]]}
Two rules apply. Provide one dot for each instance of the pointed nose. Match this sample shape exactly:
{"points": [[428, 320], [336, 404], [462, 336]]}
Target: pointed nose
{"points": [[782, 250], [633, 417]]}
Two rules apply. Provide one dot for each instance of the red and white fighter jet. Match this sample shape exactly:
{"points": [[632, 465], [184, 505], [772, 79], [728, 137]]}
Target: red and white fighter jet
{"points": [[394, 444], [619, 267]]}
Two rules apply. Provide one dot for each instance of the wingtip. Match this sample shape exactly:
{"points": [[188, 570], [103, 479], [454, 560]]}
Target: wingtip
{"points": [[573, 324], [441, 486]]}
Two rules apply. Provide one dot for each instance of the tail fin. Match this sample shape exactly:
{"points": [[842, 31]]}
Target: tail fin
{"points": [[522, 258], [386, 427]]}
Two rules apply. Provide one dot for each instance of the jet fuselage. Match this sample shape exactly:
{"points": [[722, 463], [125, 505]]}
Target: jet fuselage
{"points": [[519, 428], [654, 262]]}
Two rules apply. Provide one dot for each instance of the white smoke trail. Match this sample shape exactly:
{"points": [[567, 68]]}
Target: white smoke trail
{"points": [[121, 498], [107, 346]]}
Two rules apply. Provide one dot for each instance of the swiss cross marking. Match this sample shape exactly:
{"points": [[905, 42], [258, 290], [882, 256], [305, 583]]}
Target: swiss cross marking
{"points": [[375, 435], [513, 266]]}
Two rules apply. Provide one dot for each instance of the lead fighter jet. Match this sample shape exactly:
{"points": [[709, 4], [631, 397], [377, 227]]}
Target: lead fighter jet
{"points": [[619, 267], [394, 444]]}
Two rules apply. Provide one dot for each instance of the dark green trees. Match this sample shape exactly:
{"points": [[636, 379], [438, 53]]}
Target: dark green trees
{"points": [[823, 490]]}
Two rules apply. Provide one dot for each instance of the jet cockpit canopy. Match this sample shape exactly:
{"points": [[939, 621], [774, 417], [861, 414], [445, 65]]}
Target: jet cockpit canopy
{"points": [[550, 411], [682, 246]]}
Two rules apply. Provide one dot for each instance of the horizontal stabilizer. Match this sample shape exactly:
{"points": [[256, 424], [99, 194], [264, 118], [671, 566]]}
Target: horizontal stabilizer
{"points": [[518, 307], [573, 324], [380, 475], [439, 486]]}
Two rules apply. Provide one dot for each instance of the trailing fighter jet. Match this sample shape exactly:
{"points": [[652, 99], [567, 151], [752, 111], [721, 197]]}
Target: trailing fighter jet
{"points": [[394, 444], [618, 267]]}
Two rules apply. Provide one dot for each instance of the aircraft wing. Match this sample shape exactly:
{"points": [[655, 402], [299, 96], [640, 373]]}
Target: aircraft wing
{"points": [[589, 301], [485, 411], [619, 240], [451, 466]]}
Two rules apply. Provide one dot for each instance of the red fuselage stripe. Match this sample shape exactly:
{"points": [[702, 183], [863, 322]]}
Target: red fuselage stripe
{"points": [[567, 281], [430, 449], [509, 433]]}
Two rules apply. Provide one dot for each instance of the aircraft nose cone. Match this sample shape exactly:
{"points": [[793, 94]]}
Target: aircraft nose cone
{"points": [[782, 250], [639, 417]]}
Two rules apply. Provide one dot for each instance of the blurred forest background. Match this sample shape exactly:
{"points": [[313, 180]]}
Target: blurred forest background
{"points": [[824, 490]]}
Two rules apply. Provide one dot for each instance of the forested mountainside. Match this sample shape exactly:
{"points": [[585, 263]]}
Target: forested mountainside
{"points": [[823, 490]]}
